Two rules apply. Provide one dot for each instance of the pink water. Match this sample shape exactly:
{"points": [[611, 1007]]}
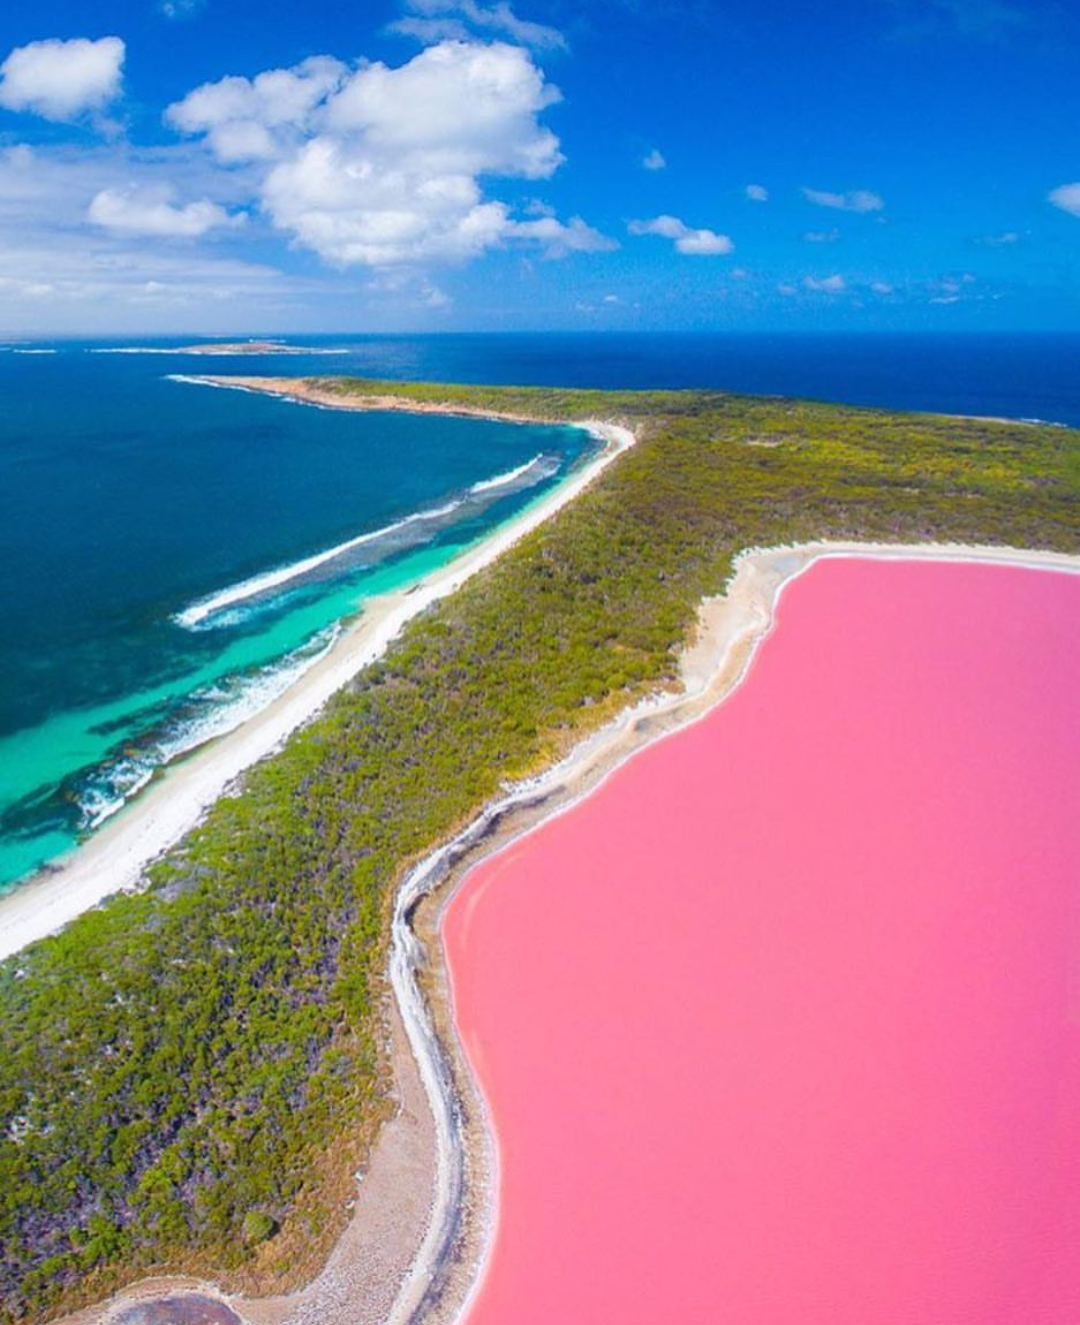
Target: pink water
{"points": [[780, 1027]]}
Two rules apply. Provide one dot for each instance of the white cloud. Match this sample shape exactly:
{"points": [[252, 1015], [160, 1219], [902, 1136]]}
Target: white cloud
{"points": [[860, 200], [882, 288], [1002, 241], [757, 193], [382, 165], [699, 243], [1067, 197], [822, 236], [60, 271], [558, 239], [952, 289], [149, 212], [826, 284], [50, 189], [258, 119], [654, 160], [180, 9], [458, 20], [454, 108], [788, 291], [61, 80]]}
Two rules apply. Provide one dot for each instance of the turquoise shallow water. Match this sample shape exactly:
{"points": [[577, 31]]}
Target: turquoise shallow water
{"points": [[172, 557]]}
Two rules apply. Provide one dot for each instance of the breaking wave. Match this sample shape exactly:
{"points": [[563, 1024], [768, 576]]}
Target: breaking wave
{"points": [[210, 712], [365, 549]]}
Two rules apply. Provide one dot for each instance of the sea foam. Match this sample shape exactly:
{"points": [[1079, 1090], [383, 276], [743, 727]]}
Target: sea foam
{"points": [[207, 611], [259, 585], [210, 712]]}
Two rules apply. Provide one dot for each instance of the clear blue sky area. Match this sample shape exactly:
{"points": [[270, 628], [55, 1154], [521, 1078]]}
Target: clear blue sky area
{"points": [[231, 166]]}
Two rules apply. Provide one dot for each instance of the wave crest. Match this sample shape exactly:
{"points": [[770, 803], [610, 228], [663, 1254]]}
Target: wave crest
{"points": [[406, 532]]}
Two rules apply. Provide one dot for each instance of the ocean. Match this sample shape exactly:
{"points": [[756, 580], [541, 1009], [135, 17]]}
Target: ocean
{"points": [[173, 556]]}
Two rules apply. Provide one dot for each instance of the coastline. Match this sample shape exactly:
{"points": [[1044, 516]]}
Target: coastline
{"points": [[449, 1138], [114, 858], [302, 392]]}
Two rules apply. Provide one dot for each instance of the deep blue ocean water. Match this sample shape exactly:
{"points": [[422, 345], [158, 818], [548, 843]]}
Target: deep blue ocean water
{"points": [[154, 534]]}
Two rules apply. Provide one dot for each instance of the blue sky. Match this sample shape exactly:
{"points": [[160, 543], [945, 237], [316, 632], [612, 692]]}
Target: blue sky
{"points": [[228, 166]]}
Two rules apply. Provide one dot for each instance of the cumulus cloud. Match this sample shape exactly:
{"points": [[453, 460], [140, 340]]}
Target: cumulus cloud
{"points": [[382, 165], [699, 243], [557, 239], [1067, 197], [62, 80], [859, 200], [882, 288], [458, 20], [822, 236], [654, 160], [757, 193], [150, 212], [826, 284], [259, 119]]}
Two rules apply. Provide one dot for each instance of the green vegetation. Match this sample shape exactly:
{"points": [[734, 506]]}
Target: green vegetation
{"points": [[175, 1065]]}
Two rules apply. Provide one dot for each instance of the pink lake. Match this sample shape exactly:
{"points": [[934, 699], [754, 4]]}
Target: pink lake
{"points": [[782, 1025]]}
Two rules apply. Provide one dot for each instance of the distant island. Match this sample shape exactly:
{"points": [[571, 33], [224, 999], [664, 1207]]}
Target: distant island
{"points": [[222, 349], [194, 1073], [259, 347]]}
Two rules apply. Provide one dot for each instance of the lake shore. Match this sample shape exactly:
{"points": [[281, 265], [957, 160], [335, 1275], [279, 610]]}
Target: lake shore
{"points": [[114, 858], [731, 629], [875, 810]]}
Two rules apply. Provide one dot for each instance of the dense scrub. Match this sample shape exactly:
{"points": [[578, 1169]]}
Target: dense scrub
{"points": [[174, 1066]]}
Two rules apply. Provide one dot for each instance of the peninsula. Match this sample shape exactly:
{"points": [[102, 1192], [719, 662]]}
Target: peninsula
{"points": [[195, 1070]]}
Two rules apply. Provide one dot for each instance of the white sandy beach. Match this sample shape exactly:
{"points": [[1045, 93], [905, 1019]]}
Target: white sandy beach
{"points": [[114, 858]]}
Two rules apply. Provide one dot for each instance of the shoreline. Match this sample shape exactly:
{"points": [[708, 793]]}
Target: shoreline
{"points": [[442, 1264], [113, 859], [300, 391]]}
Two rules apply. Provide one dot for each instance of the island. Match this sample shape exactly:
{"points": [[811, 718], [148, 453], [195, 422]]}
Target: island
{"points": [[219, 349], [253, 347]]}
